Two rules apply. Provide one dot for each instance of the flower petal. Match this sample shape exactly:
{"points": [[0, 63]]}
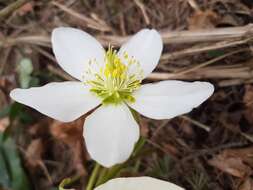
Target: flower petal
{"points": [[167, 99], [110, 133], [64, 101], [74, 48], [138, 183], [146, 47]]}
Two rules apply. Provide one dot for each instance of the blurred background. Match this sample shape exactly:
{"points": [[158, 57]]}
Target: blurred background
{"points": [[208, 40]]}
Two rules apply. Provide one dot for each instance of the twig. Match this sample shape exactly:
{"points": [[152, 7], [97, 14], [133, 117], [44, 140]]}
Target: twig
{"points": [[171, 37], [4, 60], [202, 152], [185, 71], [5, 12], [209, 72], [122, 24], [234, 82], [159, 147], [197, 123], [247, 136], [143, 10], [186, 36], [96, 24], [158, 129], [45, 53], [214, 72], [194, 50], [35, 40]]}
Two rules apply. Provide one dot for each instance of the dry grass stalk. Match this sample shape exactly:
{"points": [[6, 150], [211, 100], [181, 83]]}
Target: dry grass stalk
{"points": [[143, 10], [229, 36], [94, 23], [239, 71], [186, 36], [10, 8], [206, 48]]}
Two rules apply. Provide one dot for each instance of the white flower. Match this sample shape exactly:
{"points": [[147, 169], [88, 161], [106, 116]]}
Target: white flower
{"points": [[113, 80], [138, 183]]}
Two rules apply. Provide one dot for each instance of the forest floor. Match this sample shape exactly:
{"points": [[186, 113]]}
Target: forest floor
{"points": [[208, 40]]}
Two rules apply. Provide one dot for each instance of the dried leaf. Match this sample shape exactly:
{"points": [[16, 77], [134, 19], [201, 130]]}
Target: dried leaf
{"points": [[26, 8], [248, 101], [246, 154], [248, 96], [34, 153], [247, 185], [232, 162], [71, 135], [203, 20], [4, 123]]}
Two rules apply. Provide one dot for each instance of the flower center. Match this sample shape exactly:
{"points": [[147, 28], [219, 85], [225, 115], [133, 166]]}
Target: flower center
{"points": [[114, 82]]}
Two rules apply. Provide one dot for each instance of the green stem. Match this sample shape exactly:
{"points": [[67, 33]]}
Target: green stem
{"points": [[101, 177], [68, 182], [93, 177]]}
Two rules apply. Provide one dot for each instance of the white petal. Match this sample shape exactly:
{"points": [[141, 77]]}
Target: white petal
{"points": [[138, 183], [64, 101], [110, 133], [167, 99], [74, 48], [146, 47]]}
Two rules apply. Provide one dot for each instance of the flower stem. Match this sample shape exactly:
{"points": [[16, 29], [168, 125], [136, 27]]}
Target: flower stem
{"points": [[93, 177], [101, 177]]}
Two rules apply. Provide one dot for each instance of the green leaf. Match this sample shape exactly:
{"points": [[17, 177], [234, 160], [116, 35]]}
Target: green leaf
{"points": [[4, 177], [12, 175], [25, 68], [5, 111], [15, 110]]}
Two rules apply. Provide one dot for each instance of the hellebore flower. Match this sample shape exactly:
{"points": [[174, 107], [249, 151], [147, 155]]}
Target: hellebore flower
{"points": [[112, 80], [138, 183]]}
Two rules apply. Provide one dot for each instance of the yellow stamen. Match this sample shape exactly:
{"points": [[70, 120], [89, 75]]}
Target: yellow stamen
{"points": [[115, 82]]}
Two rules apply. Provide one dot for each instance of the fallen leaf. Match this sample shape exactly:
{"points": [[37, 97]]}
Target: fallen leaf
{"points": [[248, 95], [202, 20], [247, 184], [4, 123], [34, 153], [248, 102], [26, 8], [233, 162], [246, 154], [71, 135]]}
